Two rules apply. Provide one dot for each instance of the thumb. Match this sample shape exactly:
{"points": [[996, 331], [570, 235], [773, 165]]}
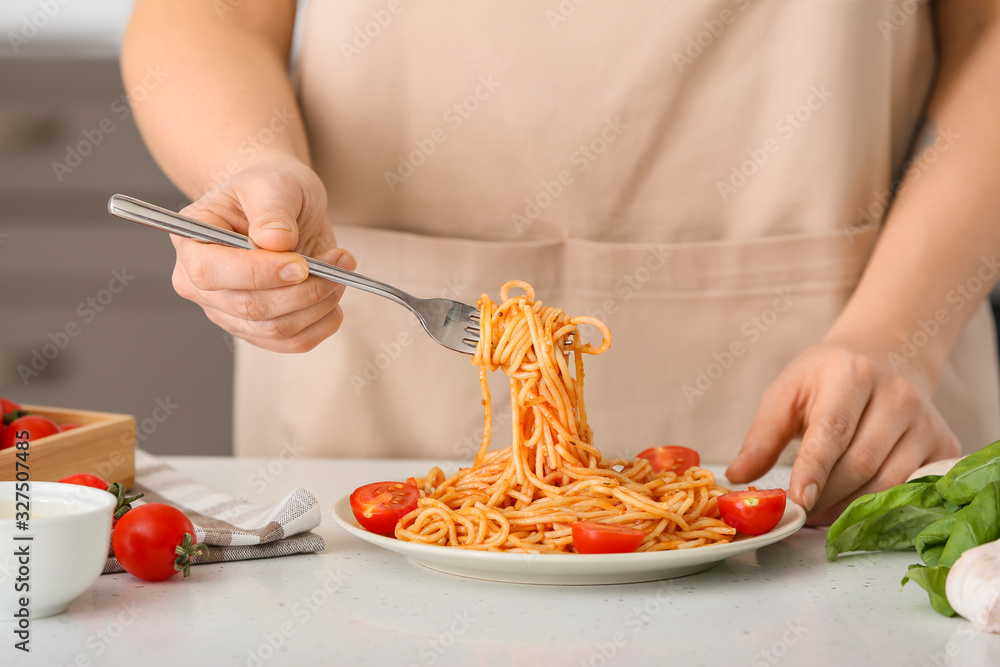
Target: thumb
{"points": [[776, 423], [272, 216]]}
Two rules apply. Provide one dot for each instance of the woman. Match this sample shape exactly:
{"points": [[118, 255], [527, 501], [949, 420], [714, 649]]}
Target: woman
{"points": [[712, 180]]}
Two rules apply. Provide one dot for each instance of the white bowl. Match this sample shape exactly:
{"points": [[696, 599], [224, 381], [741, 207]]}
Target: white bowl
{"points": [[69, 530]]}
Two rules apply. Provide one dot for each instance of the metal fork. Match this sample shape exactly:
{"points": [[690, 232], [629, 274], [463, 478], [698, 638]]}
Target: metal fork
{"points": [[451, 323]]}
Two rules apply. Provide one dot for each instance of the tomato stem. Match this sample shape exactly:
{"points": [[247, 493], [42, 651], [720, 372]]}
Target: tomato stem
{"points": [[187, 550], [14, 414], [124, 502]]}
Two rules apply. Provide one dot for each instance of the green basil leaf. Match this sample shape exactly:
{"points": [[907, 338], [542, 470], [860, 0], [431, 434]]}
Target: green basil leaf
{"points": [[931, 540], [961, 484], [932, 580], [976, 523], [896, 529], [926, 479], [922, 495]]}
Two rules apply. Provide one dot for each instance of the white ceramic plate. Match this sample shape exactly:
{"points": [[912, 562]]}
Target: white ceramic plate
{"points": [[571, 569]]}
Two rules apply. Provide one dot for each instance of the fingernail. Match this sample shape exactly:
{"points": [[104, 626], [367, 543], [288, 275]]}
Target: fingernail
{"points": [[809, 495], [293, 272], [347, 262], [277, 224]]}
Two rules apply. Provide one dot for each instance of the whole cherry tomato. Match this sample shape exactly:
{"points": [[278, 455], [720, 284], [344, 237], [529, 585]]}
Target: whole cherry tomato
{"points": [[7, 406], [31, 428], [84, 479], [155, 541]]}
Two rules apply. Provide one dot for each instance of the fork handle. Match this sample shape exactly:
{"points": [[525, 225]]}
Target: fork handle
{"points": [[147, 214]]}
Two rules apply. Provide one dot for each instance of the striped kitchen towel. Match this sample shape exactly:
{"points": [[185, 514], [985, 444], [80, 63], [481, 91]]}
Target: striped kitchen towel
{"points": [[232, 527]]}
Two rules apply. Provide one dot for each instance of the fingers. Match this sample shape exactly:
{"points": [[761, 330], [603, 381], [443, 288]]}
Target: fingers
{"points": [[883, 425], [306, 339], [265, 205], [777, 422], [340, 258], [831, 424], [262, 296], [266, 295], [905, 457], [272, 216], [864, 427], [210, 267], [900, 431], [298, 331]]}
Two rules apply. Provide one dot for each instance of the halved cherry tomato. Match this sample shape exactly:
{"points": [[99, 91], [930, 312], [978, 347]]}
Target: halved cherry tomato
{"points": [[672, 458], [593, 537], [379, 506], [85, 479], [754, 511], [30, 427]]}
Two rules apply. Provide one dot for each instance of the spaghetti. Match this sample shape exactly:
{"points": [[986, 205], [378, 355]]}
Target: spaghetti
{"points": [[526, 497]]}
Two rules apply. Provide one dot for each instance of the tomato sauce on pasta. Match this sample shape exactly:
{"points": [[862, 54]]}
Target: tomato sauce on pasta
{"points": [[526, 497]]}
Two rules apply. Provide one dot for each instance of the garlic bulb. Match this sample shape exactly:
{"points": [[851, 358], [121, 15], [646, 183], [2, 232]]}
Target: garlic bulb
{"points": [[973, 586], [936, 468]]}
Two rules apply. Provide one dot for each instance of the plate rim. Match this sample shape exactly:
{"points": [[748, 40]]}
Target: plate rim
{"points": [[568, 568]]}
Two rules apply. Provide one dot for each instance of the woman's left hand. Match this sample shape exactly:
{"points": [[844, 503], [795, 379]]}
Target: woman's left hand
{"points": [[866, 423]]}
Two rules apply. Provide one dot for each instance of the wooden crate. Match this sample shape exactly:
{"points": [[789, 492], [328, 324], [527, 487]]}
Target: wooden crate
{"points": [[104, 445]]}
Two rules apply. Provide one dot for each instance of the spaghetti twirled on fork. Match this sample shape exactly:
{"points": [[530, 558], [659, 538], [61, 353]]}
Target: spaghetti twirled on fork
{"points": [[527, 496]]}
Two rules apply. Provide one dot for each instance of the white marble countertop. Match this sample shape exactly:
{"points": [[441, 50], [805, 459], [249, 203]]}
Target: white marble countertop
{"points": [[356, 604]]}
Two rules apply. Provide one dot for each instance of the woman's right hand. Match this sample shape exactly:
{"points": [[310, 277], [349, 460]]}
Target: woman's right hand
{"points": [[265, 296]]}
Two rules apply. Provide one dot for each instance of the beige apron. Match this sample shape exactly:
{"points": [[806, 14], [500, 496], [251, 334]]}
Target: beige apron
{"points": [[706, 177]]}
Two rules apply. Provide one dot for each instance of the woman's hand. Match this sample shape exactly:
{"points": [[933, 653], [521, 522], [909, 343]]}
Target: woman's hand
{"points": [[865, 426], [265, 296]]}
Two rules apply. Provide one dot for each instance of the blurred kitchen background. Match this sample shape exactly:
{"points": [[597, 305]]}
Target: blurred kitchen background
{"points": [[88, 318]]}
